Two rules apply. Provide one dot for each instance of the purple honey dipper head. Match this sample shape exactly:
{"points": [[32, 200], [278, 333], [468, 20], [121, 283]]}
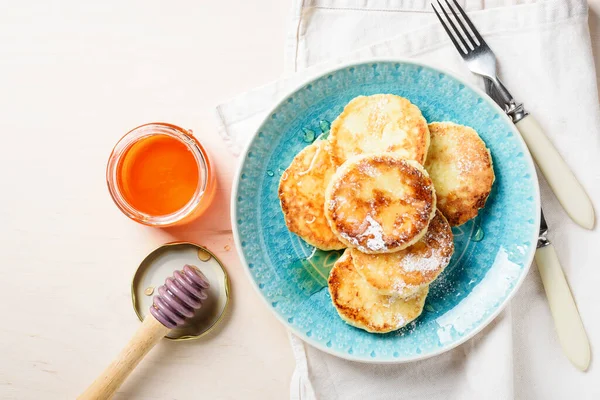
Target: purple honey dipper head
{"points": [[180, 297]]}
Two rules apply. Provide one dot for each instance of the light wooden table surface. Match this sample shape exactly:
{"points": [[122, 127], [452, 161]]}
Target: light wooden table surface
{"points": [[74, 77]]}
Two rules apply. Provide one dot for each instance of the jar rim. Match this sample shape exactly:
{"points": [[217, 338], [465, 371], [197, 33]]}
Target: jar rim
{"points": [[134, 136]]}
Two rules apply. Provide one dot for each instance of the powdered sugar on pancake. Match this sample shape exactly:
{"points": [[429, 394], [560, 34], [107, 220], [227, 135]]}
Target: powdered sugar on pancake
{"points": [[412, 262], [374, 233], [350, 239], [433, 258]]}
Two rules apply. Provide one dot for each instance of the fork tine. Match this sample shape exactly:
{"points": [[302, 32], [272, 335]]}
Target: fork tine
{"points": [[455, 28], [464, 29], [468, 21], [449, 32]]}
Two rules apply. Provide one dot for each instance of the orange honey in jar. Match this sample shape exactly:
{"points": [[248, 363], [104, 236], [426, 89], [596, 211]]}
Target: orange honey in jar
{"points": [[159, 175]]}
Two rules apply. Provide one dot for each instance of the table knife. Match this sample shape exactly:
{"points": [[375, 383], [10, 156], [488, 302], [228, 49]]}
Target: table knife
{"points": [[567, 320]]}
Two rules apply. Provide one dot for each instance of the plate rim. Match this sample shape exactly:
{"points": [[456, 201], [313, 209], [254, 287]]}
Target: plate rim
{"points": [[234, 217]]}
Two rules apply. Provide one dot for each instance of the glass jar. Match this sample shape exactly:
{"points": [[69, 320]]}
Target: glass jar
{"points": [[150, 175]]}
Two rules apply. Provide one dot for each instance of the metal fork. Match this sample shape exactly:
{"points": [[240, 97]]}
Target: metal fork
{"points": [[481, 60], [477, 54]]}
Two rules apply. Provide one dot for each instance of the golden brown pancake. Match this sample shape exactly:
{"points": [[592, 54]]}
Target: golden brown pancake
{"points": [[362, 306], [379, 203], [301, 192], [461, 169], [405, 272], [379, 123]]}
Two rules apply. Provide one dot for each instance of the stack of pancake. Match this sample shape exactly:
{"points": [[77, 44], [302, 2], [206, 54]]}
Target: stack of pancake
{"points": [[387, 187]]}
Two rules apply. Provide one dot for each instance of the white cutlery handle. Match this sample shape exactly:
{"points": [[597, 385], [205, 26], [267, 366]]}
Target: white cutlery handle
{"points": [[567, 320], [565, 186]]}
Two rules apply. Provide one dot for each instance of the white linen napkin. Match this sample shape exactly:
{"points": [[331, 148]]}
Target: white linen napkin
{"points": [[543, 47]]}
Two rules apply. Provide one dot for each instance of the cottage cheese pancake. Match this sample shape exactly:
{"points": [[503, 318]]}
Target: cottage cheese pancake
{"points": [[380, 123], [405, 272], [380, 203], [301, 193], [461, 169], [359, 305]]}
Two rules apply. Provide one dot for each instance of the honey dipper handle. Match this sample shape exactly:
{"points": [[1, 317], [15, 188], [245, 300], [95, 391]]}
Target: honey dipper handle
{"points": [[105, 386]]}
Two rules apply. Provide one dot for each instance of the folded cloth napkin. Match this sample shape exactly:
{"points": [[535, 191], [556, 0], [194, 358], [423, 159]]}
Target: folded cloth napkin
{"points": [[545, 59]]}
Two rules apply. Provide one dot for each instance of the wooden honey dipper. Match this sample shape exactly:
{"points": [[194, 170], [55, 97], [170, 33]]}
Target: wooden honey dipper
{"points": [[177, 300]]}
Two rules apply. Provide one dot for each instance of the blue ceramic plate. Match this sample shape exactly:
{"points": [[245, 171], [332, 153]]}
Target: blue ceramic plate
{"points": [[493, 252]]}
